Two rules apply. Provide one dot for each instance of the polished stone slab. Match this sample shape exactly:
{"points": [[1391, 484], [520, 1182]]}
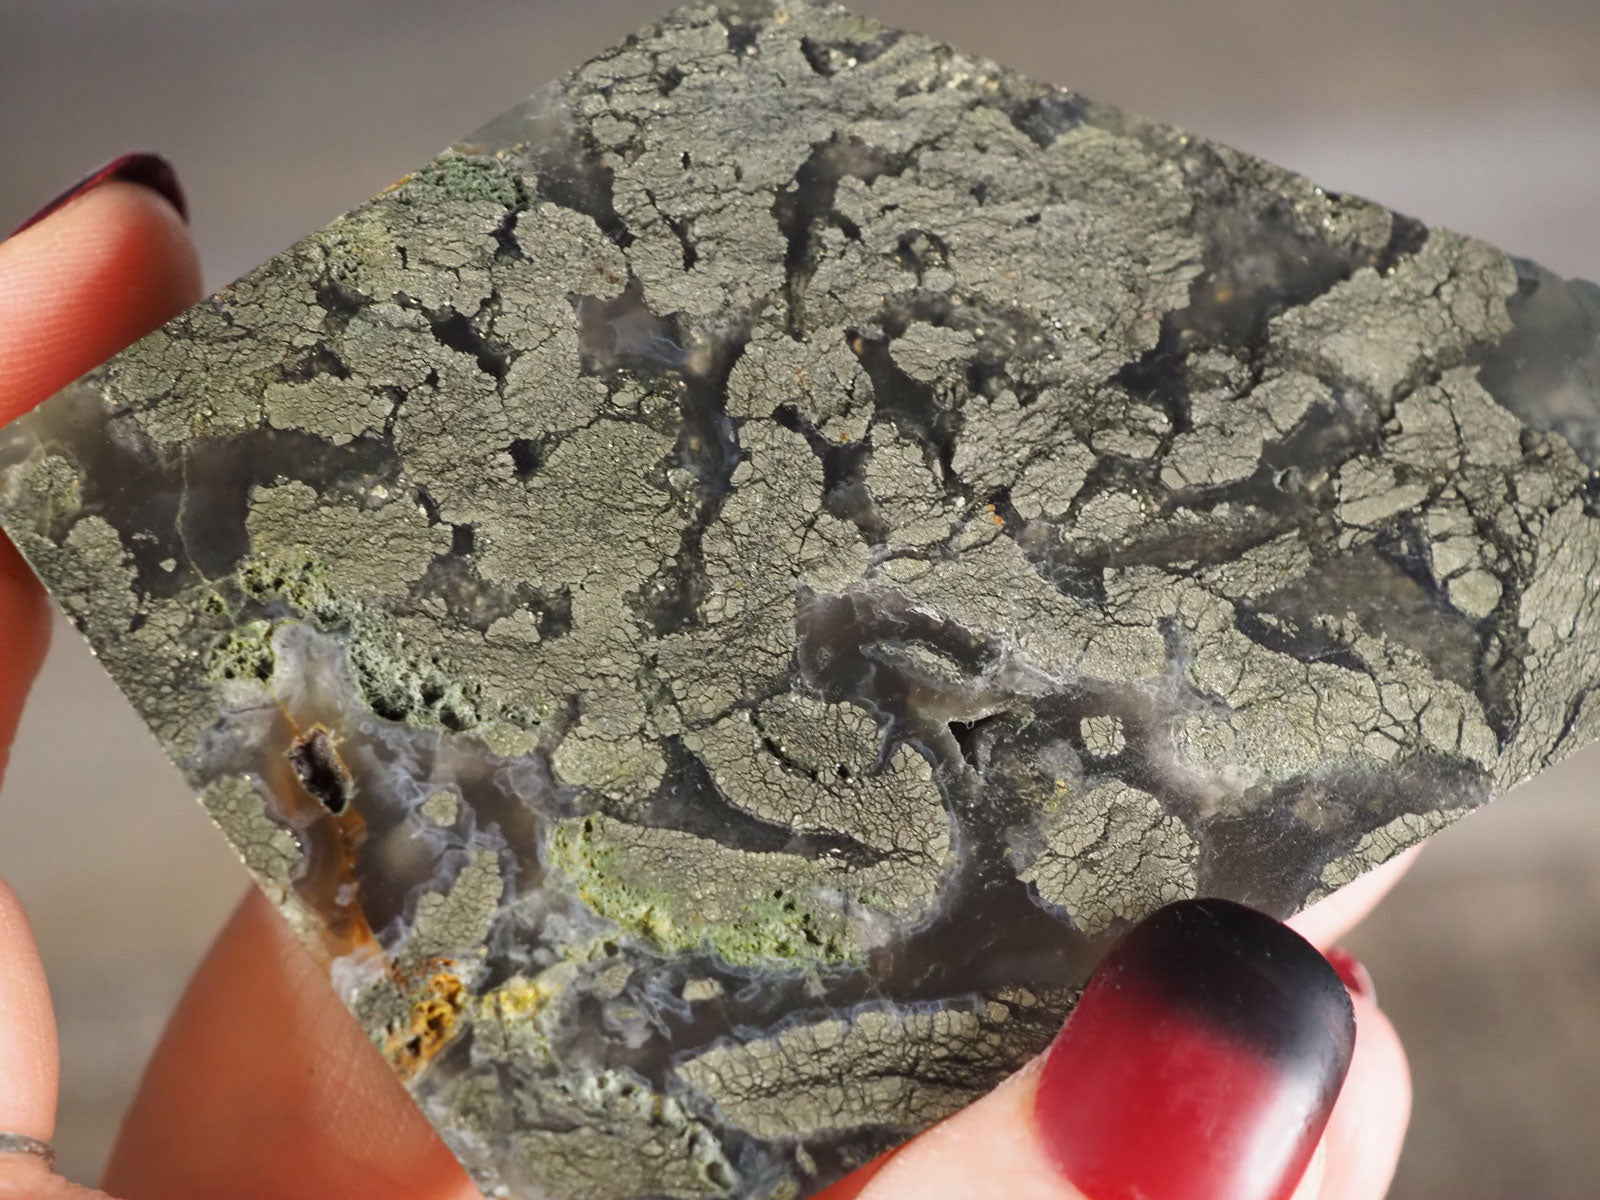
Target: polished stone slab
{"points": [[713, 602]]}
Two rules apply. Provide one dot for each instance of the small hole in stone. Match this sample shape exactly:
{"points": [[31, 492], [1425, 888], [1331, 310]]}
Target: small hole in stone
{"points": [[974, 739], [321, 771], [525, 457]]}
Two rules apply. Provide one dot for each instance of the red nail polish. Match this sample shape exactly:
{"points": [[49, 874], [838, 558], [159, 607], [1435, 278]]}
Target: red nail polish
{"points": [[1354, 973], [147, 170], [1201, 1063]]}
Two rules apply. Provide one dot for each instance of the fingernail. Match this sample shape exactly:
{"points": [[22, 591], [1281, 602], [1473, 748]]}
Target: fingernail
{"points": [[147, 170], [1201, 1062], [1354, 973]]}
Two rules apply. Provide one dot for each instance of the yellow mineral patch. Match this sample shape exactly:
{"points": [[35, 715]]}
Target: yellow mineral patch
{"points": [[518, 999], [434, 1012]]}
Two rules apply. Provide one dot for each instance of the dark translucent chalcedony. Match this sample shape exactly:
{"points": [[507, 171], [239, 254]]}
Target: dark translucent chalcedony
{"points": [[712, 604]]}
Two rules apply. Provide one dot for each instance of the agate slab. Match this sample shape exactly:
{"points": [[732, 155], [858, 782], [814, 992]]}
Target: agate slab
{"points": [[712, 603]]}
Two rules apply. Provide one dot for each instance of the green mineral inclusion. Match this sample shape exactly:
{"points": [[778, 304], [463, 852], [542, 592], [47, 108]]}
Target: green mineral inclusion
{"points": [[622, 888]]}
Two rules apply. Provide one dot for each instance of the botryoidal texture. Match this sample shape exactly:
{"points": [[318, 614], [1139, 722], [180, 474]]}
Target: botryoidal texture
{"points": [[711, 604]]}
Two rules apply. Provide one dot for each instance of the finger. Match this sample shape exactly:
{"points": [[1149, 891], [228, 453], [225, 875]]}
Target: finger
{"points": [[1326, 922], [265, 1086], [1202, 1062], [100, 271], [28, 1063], [1369, 1121], [95, 275]]}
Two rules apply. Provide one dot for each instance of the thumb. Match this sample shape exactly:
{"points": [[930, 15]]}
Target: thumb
{"points": [[1202, 1063]]}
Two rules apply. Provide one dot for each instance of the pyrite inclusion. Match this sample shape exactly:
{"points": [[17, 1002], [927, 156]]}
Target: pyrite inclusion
{"points": [[713, 602]]}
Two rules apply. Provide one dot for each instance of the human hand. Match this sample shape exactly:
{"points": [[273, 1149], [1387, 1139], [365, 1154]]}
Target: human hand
{"points": [[264, 1086]]}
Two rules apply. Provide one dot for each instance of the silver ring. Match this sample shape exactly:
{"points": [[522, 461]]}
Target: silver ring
{"points": [[21, 1143]]}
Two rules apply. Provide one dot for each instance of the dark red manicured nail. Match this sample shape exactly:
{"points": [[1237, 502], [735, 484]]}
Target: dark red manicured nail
{"points": [[1201, 1063], [148, 170], [1354, 973]]}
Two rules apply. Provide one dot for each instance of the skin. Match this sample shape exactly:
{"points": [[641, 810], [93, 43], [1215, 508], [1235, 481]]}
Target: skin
{"points": [[264, 1086]]}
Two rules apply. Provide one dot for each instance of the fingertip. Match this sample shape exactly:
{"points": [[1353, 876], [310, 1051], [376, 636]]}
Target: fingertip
{"points": [[97, 274], [1202, 1060]]}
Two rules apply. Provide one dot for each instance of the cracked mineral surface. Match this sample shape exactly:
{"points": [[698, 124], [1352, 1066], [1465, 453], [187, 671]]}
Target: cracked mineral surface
{"points": [[713, 602]]}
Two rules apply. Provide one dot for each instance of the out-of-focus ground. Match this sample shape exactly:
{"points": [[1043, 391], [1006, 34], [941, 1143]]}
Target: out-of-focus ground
{"points": [[282, 113]]}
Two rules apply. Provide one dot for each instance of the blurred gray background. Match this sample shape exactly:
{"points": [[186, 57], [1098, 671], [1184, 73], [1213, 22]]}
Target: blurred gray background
{"points": [[282, 113]]}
